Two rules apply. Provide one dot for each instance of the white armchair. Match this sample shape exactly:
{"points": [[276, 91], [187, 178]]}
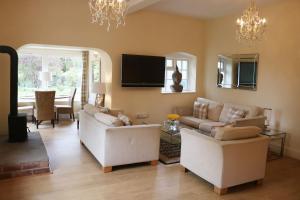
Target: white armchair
{"points": [[224, 163]]}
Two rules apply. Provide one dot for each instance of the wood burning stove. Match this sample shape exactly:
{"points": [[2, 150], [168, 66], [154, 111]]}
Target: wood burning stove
{"points": [[17, 122]]}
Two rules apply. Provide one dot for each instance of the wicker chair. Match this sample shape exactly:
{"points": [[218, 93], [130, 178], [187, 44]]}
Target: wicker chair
{"points": [[67, 109], [44, 107]]}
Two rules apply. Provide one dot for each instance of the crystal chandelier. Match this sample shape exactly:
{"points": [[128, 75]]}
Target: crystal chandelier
{"points": [[250, 26], [108, 12]]}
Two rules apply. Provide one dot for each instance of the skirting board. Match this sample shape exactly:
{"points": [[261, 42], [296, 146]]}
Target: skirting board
{"points": [[289, 152], [292, 153]]}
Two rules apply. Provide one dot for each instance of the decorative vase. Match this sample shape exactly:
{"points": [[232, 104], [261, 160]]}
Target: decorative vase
{"points": [[177, 77]]}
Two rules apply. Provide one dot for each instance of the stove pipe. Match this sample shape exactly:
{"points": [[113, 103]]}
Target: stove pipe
{"points": [[17, 122]]}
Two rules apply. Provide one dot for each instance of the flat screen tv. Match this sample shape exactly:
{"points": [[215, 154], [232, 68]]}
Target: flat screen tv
{"points": [[143, 71], [247, 74]]}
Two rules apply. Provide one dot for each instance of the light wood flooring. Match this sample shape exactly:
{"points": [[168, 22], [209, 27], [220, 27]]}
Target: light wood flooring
{"points": [[78, 176]]}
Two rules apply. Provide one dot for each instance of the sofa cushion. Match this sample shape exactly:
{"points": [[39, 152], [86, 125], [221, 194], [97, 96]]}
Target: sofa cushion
{"points": [[234, 114], [236, 133], [251, 111], [90, 109], [214, 108], [209, 126], [192, 121], [200, 110], [108, 120], [125, 119]]}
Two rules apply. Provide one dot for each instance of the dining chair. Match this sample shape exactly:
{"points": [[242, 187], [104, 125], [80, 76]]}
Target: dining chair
{"points": [[44, 107], [67, 109]]}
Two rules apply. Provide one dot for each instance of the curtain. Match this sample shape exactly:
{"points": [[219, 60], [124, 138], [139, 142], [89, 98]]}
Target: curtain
{"points": [[84, 81]]}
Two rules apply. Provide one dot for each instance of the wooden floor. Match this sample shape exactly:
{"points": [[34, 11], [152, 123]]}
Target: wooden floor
{"points": [[77, 175]]}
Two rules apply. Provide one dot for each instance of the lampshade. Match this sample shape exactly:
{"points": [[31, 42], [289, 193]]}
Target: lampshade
{"points": [[268, 115], [99, 88], [45, 76]]}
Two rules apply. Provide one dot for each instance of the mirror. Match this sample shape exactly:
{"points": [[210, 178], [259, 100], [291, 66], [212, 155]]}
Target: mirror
{"points": [[237, 71]]}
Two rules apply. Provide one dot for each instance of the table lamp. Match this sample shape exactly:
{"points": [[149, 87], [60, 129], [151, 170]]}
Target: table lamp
{"points": [[45, 77], [99, 89], [268, 115]]}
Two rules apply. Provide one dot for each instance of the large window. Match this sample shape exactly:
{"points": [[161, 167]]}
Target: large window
{"points": [[186, 66], [65, 69]]}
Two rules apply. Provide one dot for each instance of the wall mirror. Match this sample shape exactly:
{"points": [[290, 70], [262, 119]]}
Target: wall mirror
{"points": [[237, 71]]}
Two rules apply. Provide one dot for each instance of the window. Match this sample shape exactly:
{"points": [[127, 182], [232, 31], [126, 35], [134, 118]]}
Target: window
{"points": [[65, 68], [186, 66]]}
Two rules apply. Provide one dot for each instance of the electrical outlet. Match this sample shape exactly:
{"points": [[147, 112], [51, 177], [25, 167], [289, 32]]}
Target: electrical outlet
{"points": [[142, 115]]}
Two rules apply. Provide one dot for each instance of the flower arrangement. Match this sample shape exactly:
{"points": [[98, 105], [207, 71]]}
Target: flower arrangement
{"points": [[173, 117], [172, 124]]}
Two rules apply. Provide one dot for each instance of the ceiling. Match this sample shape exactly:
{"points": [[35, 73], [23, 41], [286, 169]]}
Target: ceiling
{"points": [[196, 8]]}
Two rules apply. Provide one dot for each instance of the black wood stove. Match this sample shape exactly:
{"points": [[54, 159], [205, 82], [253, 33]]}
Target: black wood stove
{"points": [[17, 122]]}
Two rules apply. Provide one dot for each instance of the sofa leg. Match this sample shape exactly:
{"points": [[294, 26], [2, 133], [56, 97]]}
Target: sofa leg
{"points": [[220, 191], [186, 170], [260, 182], [154, 162], [107, 169]]}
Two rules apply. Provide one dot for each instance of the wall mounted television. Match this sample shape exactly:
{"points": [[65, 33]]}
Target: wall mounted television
{"points": [[143, 71]]}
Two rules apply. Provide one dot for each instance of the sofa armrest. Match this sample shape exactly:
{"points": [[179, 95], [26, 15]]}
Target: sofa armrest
{"points": [[255, 121], [244, 160], [183, 111], [202, 155]]}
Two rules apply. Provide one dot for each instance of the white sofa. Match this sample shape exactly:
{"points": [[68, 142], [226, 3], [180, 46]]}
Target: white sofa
{"points": [[217, 113], [113, 146], [224, 163]]}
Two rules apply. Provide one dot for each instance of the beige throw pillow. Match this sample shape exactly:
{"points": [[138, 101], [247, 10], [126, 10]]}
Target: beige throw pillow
{"points": [[200, 110], [236, 133], [234, 114], [108, 120], [124, 119]]}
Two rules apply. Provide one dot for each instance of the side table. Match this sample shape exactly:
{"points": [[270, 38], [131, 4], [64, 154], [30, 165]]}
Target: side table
{"points": [[276, 135]]}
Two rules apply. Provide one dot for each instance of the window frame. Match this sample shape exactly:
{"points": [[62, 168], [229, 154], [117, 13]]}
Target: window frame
{"points": [[175, 59]]}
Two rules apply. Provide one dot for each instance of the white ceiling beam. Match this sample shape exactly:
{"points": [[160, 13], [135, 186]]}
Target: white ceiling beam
{"points": [[136, 5]]}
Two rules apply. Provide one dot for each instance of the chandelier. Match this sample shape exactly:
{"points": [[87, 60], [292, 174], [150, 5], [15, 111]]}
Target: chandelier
{"points": [[108, 12], [250, 26]]}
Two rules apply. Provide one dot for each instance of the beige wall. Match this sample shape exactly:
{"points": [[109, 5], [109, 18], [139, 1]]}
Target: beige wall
{"points": [[278, 70], [67, 22]]}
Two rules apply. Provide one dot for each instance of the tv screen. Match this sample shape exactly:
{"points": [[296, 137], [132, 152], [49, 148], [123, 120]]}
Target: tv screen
{"points": [[247, 74], [143, 71]]}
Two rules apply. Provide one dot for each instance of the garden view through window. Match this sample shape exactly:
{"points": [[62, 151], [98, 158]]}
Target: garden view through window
{"points": [[64, 66]]}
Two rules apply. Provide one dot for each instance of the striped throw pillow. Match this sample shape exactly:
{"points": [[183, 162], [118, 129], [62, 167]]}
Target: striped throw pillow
{"points": [[200, 110], [234, 114]]}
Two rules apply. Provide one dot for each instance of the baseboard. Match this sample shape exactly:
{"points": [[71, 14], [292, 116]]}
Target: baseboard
{"points": [[293, 153], [289, 152]]}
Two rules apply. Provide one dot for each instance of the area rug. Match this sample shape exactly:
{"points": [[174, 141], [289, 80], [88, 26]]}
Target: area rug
{"points": [[24, 158], [169, 153]]}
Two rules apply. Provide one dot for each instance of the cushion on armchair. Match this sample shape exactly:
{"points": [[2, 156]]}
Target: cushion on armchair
{"points": [[236, 133]]}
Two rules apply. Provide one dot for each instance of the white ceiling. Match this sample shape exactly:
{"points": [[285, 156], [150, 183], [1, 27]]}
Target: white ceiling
{"points": [[196, 8]]}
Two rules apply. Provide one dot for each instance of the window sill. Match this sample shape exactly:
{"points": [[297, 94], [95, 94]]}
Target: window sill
{"points": [[183, 92]]}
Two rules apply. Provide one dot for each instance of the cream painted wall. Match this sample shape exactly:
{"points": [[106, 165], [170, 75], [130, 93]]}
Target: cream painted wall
{"points": [[278, 70], [67, 22]]}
